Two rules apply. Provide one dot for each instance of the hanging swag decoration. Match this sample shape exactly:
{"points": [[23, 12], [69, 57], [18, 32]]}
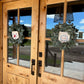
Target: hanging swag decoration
{"points": [[64, 36], [16, 35]]}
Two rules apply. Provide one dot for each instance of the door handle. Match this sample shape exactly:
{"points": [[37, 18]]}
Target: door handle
{"points": [[33, 67], [39, 68]]}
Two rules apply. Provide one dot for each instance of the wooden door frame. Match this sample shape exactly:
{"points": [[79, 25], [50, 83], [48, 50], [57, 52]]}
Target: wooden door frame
{"points": [[15, 69], [48, 78], [40, 43], [1, 45]]}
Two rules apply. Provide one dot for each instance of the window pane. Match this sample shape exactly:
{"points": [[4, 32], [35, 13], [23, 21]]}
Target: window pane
{"points": [[53, 54], [12, 49], [12, 17], [25, 54], [25, 48], [26, 19], [74, 57]]}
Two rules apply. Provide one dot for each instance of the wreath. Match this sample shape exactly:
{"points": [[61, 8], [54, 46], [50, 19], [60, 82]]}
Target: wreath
{"points": [[15, 34], [64, 28]]}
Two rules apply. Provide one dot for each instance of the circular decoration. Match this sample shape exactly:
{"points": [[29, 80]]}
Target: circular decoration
{"points": [[16, 34], [64, 36]]}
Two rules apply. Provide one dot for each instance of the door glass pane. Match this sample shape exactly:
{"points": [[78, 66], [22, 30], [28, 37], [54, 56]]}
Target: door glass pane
{"points": [[74, 57], [25, 47], [53, 54], [26, 19], [25, 54], [12, 48]]}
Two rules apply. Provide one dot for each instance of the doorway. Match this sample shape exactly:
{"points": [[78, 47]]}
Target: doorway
{"points": [[20, 61], [37, 60]]}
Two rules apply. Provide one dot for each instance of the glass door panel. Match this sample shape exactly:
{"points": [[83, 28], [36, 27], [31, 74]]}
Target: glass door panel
{"points": [[74, 57], [53, 54], [12, 49], [25, 47]]}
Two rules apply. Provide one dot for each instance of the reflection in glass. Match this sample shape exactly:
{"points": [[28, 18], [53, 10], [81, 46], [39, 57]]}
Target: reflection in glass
{"points": [[12, 54], [53, 54], [26, 19], [12, 49], [25, 54], [74, 57], [12, 17], [52, 59], [25, 48]]}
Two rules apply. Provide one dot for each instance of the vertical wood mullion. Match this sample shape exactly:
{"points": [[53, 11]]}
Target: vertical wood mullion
{"points": [[4, 44], [42, 35], [62, 63], [1, 44], [65, 11], [18, 47], [62, 56], [34, 38]]}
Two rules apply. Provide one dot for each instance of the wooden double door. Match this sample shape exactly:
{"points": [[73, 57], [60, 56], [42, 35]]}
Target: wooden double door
{"points": [[35, 61]]}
